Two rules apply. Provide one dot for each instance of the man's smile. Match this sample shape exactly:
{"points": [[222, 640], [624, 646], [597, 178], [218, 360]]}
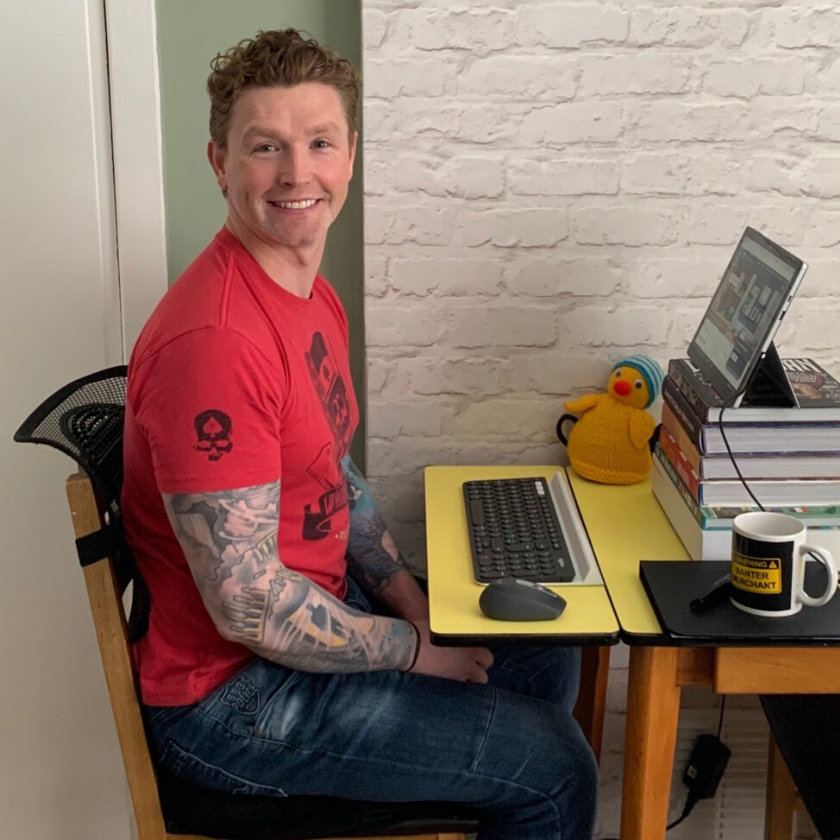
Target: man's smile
{"points": [[294, 205]]}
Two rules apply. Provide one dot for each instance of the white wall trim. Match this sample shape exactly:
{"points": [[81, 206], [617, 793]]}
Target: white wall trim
{"points": [[97, 56], [138, 159]]}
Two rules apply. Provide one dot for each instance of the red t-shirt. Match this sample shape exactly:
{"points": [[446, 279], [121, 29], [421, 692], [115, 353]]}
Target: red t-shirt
{"points": [[233, 382]]}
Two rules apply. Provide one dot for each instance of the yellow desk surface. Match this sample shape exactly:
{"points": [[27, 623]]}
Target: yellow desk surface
{"points": [[625, 525], [455, 616]]}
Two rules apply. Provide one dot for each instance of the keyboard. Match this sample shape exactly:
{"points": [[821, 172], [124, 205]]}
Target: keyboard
{"points": [[514, 531]]}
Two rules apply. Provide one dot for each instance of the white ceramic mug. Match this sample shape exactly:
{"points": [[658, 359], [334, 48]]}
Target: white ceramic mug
{"points": [[767, 570]]}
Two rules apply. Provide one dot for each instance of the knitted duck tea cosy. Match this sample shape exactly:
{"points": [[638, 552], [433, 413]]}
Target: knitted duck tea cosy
{"points": [[610, 441]]}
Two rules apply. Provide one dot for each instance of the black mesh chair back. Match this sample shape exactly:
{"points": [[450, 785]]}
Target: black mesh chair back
{"points": [[84, 419]]}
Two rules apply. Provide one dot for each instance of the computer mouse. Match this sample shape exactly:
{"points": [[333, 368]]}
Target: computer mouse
{"points": [[512, 599]]}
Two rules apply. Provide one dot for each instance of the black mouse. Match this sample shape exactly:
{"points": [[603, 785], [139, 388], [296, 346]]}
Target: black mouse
{"points": [[511, 599]]}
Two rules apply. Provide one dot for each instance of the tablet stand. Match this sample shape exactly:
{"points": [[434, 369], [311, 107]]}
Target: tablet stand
{"points": [[769, 384]]}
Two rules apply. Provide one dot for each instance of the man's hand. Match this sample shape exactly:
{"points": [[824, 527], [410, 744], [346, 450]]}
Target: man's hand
{"points": [[465, 664]]}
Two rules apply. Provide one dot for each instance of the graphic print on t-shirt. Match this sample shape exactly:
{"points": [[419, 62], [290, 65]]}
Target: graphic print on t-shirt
{"points": [[317, 523], [332, 390], [213, 430], [326, 469]]}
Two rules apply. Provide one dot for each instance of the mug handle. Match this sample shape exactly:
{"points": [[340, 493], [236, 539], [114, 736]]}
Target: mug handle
{"points": [[827, 559]]}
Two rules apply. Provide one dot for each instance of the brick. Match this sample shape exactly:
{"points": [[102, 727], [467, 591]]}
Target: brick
{"points": [[376, 274], [512, 227], [559, 374], [475, 377], [419, 418], [694, 273], [523, 78], [377, 220], [389, 323], [475, 28], [799, 26], [415, 77], [427, 225], [474, 177], [499, 324], [821, 176], [718, 224], [557, 26], [748, 77], [635, 73], [377, 374], [569, 176], [624, 226], [825, 232], [665, 121], [624, 326], [590, 276], [575, 122], [688, 27], [374, 29], [457, 277], [500, 416], [656, 172]]}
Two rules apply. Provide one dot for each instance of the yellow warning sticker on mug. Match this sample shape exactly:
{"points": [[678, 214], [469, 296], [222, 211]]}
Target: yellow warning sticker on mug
{"points": [[762, 575]]}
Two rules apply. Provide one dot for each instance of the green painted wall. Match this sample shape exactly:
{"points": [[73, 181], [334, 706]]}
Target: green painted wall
{"points": [[190, 34]]}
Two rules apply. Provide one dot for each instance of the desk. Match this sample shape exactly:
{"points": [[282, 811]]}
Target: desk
{"points": [[636, 528], [454, 614], [625, 525]]}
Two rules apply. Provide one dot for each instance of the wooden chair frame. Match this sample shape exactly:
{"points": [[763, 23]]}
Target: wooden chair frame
{"points": [[109, 618]]}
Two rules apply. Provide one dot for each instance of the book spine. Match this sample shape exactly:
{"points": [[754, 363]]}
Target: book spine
{"points": [[679, 463], [683, 412], [671, 424], [687, 451], [693, 390], [670, 470]]}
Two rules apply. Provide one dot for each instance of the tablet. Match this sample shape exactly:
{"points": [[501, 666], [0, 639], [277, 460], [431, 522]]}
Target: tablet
{"points": [[744, 314]]}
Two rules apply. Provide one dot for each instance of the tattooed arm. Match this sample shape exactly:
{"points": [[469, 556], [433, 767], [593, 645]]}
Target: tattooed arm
{"points": [[372, 555], [230, 542], [375, 562]]}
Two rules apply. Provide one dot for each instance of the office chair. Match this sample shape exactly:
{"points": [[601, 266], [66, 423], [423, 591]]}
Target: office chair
{"points": [[85, 420]]}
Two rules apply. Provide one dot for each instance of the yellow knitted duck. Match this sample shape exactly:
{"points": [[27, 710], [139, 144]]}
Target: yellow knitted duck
{"points": [[610, 442]]}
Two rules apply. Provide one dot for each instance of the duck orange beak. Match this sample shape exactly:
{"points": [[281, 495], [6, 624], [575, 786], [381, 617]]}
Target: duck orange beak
{"points": [[622, 387]]}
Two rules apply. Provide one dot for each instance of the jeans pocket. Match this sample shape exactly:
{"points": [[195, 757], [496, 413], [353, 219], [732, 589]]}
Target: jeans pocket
{"points": [[189, 767]]}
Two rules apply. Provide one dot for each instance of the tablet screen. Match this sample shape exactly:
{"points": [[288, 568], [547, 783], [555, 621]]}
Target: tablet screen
{"points": [[744, 313]]}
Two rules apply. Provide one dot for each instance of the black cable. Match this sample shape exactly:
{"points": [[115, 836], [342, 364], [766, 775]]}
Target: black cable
{"points": [[732, 459], [720, 720]]}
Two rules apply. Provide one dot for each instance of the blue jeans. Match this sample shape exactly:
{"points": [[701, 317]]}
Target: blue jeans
{"points": [[510, 748]]}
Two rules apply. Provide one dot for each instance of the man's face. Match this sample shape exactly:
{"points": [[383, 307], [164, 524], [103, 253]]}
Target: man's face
{"points": [[287, 165]]}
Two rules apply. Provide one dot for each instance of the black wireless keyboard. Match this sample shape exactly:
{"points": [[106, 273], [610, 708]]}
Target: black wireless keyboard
{"points": [[514, 531]]}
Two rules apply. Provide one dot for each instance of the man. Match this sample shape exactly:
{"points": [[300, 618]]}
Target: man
{"points": [[265, 668]]}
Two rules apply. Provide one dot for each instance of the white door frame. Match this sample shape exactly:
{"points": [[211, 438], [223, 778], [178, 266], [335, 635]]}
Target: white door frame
{"points": [[138, 160]]}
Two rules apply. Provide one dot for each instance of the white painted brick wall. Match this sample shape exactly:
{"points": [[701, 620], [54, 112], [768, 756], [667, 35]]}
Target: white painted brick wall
{"points": [[552, 185]]}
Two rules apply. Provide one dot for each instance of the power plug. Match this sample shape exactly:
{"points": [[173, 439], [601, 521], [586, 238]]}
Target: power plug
{"points": [[706, 766]]}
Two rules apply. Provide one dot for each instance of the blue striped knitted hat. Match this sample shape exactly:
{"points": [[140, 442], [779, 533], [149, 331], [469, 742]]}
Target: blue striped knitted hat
{"points": [[650, 370]]}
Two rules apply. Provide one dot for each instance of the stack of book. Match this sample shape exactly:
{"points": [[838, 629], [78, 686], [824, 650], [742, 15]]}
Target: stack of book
{"points": [[788, 457]]}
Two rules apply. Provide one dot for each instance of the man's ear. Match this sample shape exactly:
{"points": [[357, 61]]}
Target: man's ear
{"points": [[217, 158], [353, 146]]}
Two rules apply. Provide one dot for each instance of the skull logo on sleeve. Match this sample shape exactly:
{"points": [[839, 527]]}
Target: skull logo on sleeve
{"points": [[213, 429]]}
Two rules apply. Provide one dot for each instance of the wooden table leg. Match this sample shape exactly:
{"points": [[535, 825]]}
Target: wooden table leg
{"points": [[591, 705], [781, 797], [653, 706]]}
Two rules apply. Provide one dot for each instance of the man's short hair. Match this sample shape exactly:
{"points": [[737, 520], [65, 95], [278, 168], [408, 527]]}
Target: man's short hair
{"points": [[278, 58]]}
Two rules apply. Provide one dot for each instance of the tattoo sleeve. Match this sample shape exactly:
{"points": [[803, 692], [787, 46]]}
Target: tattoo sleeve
{"points": [[372, 554], [230, 542]]}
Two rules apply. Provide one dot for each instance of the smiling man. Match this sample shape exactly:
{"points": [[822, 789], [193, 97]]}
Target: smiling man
{"points": [[288, 648]]}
